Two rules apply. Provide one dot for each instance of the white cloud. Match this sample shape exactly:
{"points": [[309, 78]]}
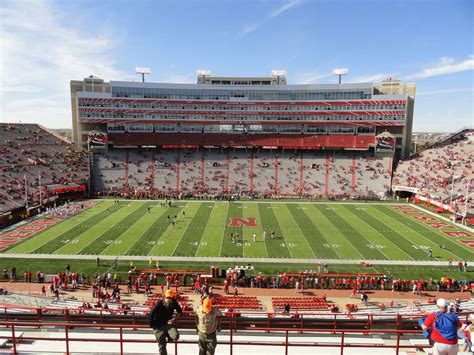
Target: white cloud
{"points": [[189, 78], [285, 7], [246, 30], [41, 53], [372, 78], [446, 65], [310, 77], [443, 92], [249, 28]]}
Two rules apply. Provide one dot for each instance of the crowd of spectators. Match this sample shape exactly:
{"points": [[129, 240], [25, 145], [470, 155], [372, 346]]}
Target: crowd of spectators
{"points": [[32, 156], [215, 173], [238, 277], [140, 282], [442, 173]]}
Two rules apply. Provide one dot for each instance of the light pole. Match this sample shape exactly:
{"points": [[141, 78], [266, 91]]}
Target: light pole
{"points": [[40, 190], [142, 71], [468, 185], [453, 164], [26, 191], [340, 72]]}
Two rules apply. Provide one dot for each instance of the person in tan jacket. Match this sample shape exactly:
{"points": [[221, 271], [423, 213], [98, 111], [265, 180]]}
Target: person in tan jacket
{"points": [[207, 323]]}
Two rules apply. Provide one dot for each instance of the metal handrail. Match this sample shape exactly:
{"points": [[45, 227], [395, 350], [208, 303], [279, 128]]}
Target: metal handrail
{"points": [[283, 332]]}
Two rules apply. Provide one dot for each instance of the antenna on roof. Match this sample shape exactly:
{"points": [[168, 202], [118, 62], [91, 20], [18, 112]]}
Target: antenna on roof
{"points": [[340, 72], [142, 71]]}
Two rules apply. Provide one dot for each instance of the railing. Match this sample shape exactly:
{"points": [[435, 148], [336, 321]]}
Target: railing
{"points": [[237, 320], [283, 333]]}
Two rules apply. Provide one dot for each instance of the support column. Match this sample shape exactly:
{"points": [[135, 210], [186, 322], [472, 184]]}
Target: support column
{"points": [[177, 172], [227, 173], [251, 172], [354, 176], [276, 173], [126, 168], [301, 174], [326, 187], [153, 168], [203, 175]]}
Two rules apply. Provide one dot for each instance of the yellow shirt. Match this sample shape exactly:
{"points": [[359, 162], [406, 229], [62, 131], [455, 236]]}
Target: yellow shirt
{"points": [[207, 322]]}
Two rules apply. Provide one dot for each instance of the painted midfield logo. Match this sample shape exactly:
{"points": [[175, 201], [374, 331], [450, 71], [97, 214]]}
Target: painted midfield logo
{"points": [[237, 222]]}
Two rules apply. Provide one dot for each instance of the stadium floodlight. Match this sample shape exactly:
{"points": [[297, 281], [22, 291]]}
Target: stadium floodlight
{"points": [[204, 72], [278, 72], [340, 72], [142, 71]]}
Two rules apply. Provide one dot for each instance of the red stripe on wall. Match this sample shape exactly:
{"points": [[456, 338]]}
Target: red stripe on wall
{"points": [[203, 176], [126, 168], [227, 173], [326, 188], [251, 171], [276, 173], [301, 173], [354, 176], [177, 172], [153, 167]]}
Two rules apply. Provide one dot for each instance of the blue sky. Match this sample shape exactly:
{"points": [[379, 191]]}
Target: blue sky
{"points": [[45, 44]]}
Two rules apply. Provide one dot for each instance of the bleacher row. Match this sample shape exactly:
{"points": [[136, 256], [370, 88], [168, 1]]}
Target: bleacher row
{"points": [[261, 173], [237, 303], [319, 305], [183, 301], [300, 303], [27, 151], [434, 170]]}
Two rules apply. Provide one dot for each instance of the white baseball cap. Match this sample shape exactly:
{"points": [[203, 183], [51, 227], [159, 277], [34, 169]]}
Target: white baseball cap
{"points": [[441, 303]]}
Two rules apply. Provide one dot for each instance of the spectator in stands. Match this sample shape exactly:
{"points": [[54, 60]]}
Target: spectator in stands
{"points": [[444, 327], [207, 323], [163, 319]]}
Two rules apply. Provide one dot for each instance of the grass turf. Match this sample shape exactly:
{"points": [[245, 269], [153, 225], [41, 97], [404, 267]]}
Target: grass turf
{"points": [[302, 230]]}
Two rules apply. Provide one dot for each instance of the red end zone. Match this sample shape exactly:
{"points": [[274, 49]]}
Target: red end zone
{"points": [[27, 231], [34, 227], [445, 227]]}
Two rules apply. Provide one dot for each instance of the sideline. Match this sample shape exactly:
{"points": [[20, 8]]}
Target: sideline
{"points": [[325, 202], [225, 259]]}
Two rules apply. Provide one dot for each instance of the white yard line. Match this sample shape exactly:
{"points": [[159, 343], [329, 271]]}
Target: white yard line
{"points": [[205, 227], [107, 230], [184, 232], [260, 231], [298, 227], [281, 231]]}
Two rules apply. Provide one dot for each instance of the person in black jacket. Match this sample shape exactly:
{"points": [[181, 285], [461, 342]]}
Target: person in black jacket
{"points": [[163, 318]]}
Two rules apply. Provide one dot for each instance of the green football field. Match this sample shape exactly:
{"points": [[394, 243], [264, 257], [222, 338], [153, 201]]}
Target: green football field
{"points": [[303, 230]]}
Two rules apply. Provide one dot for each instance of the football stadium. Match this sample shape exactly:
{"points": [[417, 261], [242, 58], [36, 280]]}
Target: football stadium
{"points": [[299, 210]]}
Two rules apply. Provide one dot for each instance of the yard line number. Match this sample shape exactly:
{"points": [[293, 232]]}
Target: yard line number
{"points": [[375, 246]]}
